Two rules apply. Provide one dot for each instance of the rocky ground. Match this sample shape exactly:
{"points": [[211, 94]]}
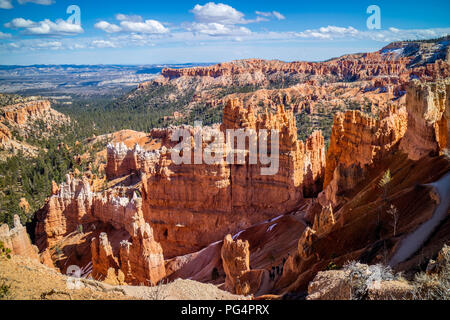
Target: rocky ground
{"points": [[30, 280], [26, 279]]}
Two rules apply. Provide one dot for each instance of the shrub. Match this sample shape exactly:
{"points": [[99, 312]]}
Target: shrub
{"points": [[434, 286], [332, 266], [5, 290], [158, 292], [363, 277], [4, 252], [384, 181]]}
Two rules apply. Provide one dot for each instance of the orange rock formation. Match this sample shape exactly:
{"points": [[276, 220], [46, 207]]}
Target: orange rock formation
{"points": [[138, 256], [17, 240], [428, 119], [185, 203], [22, 112], [236, 261], [361, 150], [187, 206], [358, 141]]}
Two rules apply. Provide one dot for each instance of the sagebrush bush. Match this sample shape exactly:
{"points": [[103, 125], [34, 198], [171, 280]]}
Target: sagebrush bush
{"points": [[5, 290], [434, 286], [4, 252], [363, 276]]}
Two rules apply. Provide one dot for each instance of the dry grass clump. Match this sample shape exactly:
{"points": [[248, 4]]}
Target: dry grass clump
{"points": [[363, 277], [434, 284]]}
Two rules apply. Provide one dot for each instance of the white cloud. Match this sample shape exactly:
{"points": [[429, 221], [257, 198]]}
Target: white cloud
{"points": [[50, 44], [58, 27], [45, 27], [264, 14], [76, 46], [275, 14], [217, 29], [36, 44], [149, 26], [5, 4], [218, 19], [103, 44], [132, 24], [329, 32], [125, 17], [338, 30], [135, 36], [4, 35], [43, 2], [388, 35], [19, 23], [278, 15], [217, 13], [107, 27]]}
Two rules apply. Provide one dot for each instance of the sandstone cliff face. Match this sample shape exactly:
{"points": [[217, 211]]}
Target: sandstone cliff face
{"points": [[142, 259], [122, 160], [17, 240], [315, 159], [305, 242], [21, 116], [139, 260], [23, 112], [239, 279], [368, 66], [428, 106], [357, 66], [183, 207], [358, 141], [191, 206], [351, 212], [236, 261], [22, 119], [185, 203], [324, 221], [5, 134], [139, 257]]}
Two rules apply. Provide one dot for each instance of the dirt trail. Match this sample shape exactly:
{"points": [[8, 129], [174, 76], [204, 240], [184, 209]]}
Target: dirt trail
{"points": [[414, 241]]}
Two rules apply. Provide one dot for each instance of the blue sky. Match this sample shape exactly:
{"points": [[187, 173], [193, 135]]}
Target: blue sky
{"points": [[147, 32]]}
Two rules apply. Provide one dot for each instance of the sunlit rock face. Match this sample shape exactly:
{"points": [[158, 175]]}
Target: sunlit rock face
{"points": [[190, 206], [17, 240], [358, 141], [350, 216], [428, 107], [176, 209], [138, 256], [236, 261]]}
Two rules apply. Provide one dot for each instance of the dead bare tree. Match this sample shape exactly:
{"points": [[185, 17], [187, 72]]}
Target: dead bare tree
{"points": [[393, 212]]}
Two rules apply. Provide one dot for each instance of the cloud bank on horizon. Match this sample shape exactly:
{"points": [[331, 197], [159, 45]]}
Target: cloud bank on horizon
{"points": [[43, 31]]}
